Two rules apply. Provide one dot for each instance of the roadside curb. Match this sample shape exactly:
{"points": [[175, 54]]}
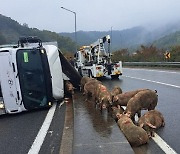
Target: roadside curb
{"points": [[67, 137]]}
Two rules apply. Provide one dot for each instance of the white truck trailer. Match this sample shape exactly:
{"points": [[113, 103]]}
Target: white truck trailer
{"points": [[31, 76]]}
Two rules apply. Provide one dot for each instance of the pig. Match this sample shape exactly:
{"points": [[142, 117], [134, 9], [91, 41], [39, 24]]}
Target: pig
{"points": [[99, 89], [117, 111], [90, 89], [69, 89], [84, 80], [146, 99], [135, 135], [150, 121], [116, 90], [104, 100], [123, 98]]}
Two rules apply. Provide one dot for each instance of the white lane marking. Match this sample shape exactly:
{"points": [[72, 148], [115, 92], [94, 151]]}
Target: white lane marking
{"points": [[153, 81], [154, 70], [163, 145], [43, 131]]}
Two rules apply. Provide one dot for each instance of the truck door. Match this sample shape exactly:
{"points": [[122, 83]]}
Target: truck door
{"points": [[35, 78], [8, 84]]}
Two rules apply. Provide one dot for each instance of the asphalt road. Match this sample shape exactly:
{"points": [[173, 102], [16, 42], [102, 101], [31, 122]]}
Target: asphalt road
{"points": [[96, 132], [167, 84], [19, 131]]}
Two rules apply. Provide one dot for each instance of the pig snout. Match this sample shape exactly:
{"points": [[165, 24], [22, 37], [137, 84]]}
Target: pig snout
{"points": [[128, 114], [118, 115], [104, 106], [115, 98]]}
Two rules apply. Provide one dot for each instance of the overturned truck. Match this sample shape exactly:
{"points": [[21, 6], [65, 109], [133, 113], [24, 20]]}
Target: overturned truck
{"points": [[32, 75]]}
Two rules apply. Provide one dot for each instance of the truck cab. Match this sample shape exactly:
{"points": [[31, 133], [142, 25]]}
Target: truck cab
{"points": [[30, 76]]}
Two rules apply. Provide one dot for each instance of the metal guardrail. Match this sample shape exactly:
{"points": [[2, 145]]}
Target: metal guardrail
{"points": [[153, 64]]}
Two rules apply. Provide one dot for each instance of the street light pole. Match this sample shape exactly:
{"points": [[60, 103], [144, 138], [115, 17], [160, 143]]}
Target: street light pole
{"points": [[75, 26], [111, 38]]}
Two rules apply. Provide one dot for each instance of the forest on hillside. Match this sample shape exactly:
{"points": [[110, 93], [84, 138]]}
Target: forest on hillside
{"points": [[132, 38], [11, 30], [148, 54]]}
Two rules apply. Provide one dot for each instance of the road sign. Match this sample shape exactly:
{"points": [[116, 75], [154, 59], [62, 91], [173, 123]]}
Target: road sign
{"points": [[167, 55]]}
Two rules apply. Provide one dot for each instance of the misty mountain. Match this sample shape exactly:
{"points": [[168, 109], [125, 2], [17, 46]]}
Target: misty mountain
{"points": [[162, 37], [167, 41], [128, 38], [11, 30], [119, 39]]}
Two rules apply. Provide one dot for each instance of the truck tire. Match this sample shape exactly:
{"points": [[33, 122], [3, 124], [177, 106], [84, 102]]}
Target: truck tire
{"points": [[80, 71], [114, 76], [90, 74]]}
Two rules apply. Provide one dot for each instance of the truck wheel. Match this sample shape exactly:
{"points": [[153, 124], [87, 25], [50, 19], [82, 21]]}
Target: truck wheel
{"points": [[90, 74], [114, 76], [80, 71]]}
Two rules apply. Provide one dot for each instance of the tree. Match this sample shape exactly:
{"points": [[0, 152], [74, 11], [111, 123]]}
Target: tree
{"points": [[2, 39], [175, 54], [149, 54], [120, 55]]}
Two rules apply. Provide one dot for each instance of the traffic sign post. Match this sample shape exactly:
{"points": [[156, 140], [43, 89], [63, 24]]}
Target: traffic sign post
{"points": [[167, 55]]}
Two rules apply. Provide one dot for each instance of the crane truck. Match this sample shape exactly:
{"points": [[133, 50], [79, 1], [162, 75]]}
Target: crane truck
{"points": [[32, 76], [95, 61]]}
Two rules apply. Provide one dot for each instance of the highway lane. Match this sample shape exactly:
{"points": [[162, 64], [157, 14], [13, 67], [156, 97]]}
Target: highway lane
{"points": [[169, 77], [18, 131], [167, 83]]}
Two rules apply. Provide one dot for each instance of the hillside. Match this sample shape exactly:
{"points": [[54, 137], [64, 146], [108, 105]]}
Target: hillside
{"points": [[168, 35], [11, 30], [120, 39], [128, 38], [168, 40]]}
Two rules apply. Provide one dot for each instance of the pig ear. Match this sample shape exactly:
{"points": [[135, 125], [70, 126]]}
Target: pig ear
{"points": [[150, 125]]}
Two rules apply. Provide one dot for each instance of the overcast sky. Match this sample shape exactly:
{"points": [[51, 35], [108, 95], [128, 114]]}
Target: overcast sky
{"points": [[92, 15]]}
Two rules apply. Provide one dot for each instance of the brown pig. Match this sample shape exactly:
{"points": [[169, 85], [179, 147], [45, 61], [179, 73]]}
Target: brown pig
{"points": [[117, 112], [104, 99], [116, 90], [69, 89], [146, 99], [122, 99], [150, 121], [84, 80], [100, 88], [90, 89], [135, 135]]}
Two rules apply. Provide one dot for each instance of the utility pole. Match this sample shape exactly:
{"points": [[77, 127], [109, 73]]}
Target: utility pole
{"points": [[111, 40], [75, 26]]}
